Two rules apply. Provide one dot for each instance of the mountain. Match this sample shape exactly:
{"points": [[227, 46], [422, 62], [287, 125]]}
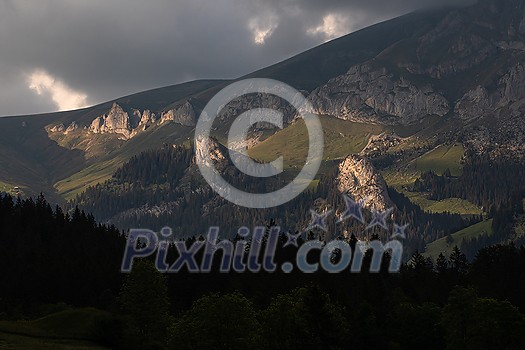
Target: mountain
{"points": [[428, 91], [62, 165], [60, 153]]}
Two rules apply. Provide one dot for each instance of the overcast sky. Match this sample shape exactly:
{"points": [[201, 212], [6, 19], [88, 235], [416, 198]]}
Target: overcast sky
{"points": [[66, 54]]}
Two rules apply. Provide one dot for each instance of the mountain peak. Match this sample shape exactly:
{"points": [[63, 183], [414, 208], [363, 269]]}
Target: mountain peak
{"points": [[115, 121]]}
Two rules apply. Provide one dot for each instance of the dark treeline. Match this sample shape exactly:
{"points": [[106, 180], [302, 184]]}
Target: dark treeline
{"points": [[51, 257], [154, 167], [47, 256]]}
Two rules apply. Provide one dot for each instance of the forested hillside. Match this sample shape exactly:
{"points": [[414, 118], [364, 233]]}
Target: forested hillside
{"points": [[163, 188]]}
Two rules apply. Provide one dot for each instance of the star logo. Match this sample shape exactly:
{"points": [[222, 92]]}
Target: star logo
{"points": [[292, 239], [399, 231], [379, 218], [353, 210], [319, 220]]}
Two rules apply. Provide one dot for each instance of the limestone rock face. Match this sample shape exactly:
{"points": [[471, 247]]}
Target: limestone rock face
{"points": [[358, 178], [473, 104], [72, 127], [262, 100], [511, 86], [365, 94], [61, 128], [183, 114], [217, 155], [143, 120], [57, 128], [508, 96], [129, 123], [147, 118], [500, 109], [116, 121]]}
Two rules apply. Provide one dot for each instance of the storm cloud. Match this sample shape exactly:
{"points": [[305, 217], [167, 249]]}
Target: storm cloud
{"points": [[62, 54]]}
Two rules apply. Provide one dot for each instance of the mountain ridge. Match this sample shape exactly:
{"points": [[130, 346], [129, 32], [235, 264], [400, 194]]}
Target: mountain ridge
{"points": [[377, 75]]}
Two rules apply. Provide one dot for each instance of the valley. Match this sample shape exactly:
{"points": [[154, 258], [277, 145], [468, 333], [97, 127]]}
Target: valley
{"points": [[400, 93]]}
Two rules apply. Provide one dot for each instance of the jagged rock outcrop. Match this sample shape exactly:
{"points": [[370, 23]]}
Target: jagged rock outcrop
{"points": [[511, 87], [259, 100], [183, 114], [61, 128], [216, 155], [116, 121], [57, 128], [147, 118], [473, 104], [508, 97], [358, 178], [144, 120], [365, 94], [72, 127]]}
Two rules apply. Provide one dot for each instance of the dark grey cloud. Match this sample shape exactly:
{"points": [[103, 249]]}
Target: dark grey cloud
{"points": [[106, 49]]}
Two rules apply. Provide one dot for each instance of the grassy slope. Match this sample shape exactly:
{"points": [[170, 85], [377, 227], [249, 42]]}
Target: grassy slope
{"points": [[441, 246], [71, 329], [452, 205], [341, 139], [106, 165], [438, 160], [441, 158], [398, 178], [6, 187], [399, 181]]}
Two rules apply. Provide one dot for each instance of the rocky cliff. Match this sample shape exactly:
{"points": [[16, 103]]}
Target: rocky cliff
{"points": [[251, 101], [217, 154], [115, 121], [146, 118], [118, 121], [61, 128], [365, 94], [467, 69], [358, 178], [183, 114]]}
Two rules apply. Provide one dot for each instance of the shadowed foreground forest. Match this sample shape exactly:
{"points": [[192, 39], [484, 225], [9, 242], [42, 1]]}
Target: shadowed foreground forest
{"points": [[53, 261]]}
